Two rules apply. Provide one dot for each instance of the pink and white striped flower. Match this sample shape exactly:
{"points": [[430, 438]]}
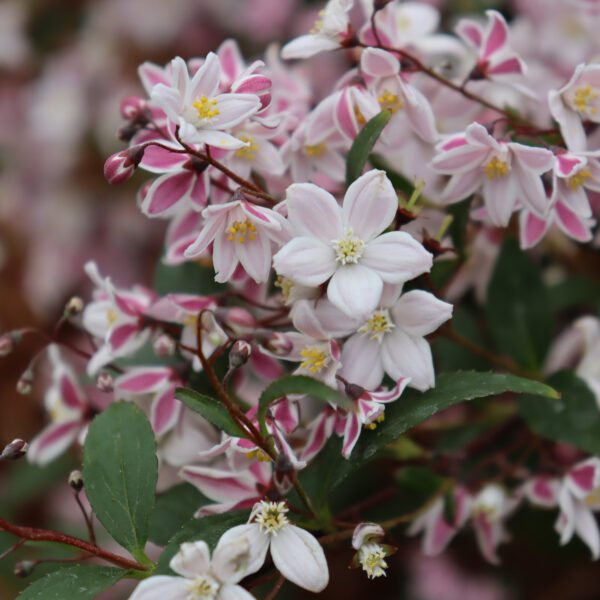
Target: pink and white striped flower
{"points": [[576, 102], [242, 234], [495, 58], [116, 317], [347, 245], [329, 32], [199, 577], [195, 105], [506, 172], [392, 340]]}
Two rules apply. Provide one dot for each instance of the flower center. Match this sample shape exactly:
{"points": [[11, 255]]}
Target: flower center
{"points": [[360, 118], [391, 102], [206, 108], [314, 359], [318, 25], [242, 231], [349, 248], [593, 498], [286, 286], [582, 98], [579, 179], [203, 587], [258, 454], [111, 316], [496, 168], [316, 150], [373, 424], [378, 325], [247, 152], [372, 560], [271, 516]]}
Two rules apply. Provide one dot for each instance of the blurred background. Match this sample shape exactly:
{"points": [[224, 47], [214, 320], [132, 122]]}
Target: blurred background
{"points": [[64, 67]]}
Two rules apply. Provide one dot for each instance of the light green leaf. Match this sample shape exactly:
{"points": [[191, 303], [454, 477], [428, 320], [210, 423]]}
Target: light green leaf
{"points": [[120, 471], [211, 409], [363, 144], [83, 582]]}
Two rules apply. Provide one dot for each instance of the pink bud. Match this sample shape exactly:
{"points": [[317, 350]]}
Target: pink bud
{"points": [[279, 344], [7, 345], [164, 346], [120, 166], [105, 382], [239, 354], [24, 383], [74, 306], [132, 107], [15, 450], [76, 480], [239, 319]]}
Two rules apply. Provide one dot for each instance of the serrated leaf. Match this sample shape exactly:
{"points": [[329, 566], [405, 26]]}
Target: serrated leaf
{"points": [[363, 145], [173, 509], [518, 308], [83, 582], [300, 384], [209, 529], [211, 409], [573, 419], [120, 471], [415, 407]]}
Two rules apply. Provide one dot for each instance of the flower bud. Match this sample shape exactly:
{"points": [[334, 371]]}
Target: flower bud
{"points": [[105, 382], [279, 344], [164, 345], [76, 480], [15, 450], [7, 344], [239, 354], [74, 307], [24, 568], [25, 383], [120, 166], [132, 107], [239, 319]]}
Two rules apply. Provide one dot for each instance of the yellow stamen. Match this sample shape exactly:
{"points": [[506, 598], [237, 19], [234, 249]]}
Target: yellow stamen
{"points": [[496, 168], [372, 426], [391, 102], [314, 359], [360, 118], [111, 316], [247, 152], [579, 179], [316, 150], [242, 231], [285, 285], [206, 108], [349, 248], [258, 454], [271, 516], [318, 26], [585, 94], [378, 325]]}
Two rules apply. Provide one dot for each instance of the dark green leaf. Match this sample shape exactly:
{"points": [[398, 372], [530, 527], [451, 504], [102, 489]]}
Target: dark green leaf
{"points": [[575, 292], [414, 407], [573, 419], [363, 144], [74, 583], [300, 384], [174, 508], [518, 308], [120, 471], [209, 529], [188, 278], [212, 410]]}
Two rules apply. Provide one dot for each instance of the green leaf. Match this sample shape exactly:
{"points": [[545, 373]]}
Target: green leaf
{"points": [[300, 384], [174, 508], [120, 471], [209, 529], [188, 278], [211, 409], [414, 407], [518, 308], [363, 144], [76, 583], [575, 292], [573, 419]]}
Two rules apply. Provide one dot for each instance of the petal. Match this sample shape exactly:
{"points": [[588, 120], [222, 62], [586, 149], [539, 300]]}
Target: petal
{"points": [[229, 560], [531, 191], [161, 588], [258, 543], [500, 196], [298, 556], [420, 313], [52, 442], [143, 380], [234, 108], [206, 79], [496, 35], [352, 432], [361, 361], [536, 160], [313, 212], [255, 257], [378, 63], [532, 229], [355, 290], [225, 257], [193, 559], [220, 485], [165, 193], [206, 236], [420, 115], [164, 411], [308, 45], [405, 356], [572, 224], [370, 205], [306, 261], [396, 257]]}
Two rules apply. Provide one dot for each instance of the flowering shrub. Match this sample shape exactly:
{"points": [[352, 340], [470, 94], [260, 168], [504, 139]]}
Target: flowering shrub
{"points": [[337, 271]]}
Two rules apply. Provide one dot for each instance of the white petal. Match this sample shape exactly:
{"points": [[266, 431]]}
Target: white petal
{"points": [[306, 261], [419, 313], [258, 543], [193, 559], [355, 290], [161, 588], [299, 557], [361, 361]]}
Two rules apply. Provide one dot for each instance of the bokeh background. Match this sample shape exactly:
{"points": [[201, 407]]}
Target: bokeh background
{"points": [[64, 67]]}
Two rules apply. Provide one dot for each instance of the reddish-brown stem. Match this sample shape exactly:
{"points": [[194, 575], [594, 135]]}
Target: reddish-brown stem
{"points": [[47, 535], [278, 585], [87, 518]]}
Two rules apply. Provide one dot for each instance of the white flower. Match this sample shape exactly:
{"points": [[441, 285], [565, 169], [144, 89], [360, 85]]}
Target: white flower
{"points": [[297, 554]]}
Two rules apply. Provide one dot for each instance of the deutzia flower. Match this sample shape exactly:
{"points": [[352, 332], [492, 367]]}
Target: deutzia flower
{"points": [[371, 554], [346, 245], [200, 578], [330, 31], [297, 554], [506, 171], [577, 101], [196, 106]]}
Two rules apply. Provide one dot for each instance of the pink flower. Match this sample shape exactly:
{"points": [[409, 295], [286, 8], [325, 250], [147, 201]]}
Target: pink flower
{"points": [[506, 171], [196, 106], [242, 234], [577, 101], [345, 245], [330, 31], [495, 59], [391, 340]]}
